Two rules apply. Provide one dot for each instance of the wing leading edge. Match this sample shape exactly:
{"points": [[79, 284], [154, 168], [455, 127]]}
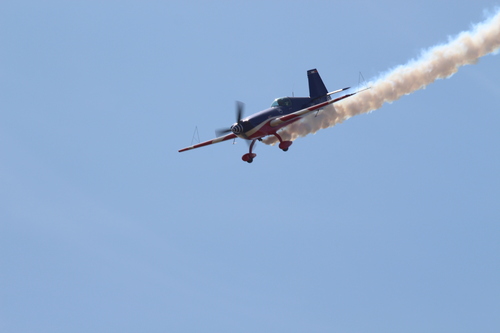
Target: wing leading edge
{"points": [[209, 142]]}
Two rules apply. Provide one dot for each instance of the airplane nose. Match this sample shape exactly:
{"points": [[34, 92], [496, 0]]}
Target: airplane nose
{"points": [[237, 128]]}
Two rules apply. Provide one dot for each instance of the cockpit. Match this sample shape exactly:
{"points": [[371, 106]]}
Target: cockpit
{"points": [[283, 101]]}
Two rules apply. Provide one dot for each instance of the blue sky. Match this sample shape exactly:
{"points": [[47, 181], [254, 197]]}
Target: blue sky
{"points": [[388, 222]]}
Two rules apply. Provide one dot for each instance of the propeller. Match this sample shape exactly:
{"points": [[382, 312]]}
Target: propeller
{"points": [[239, 111], [239, 115]]}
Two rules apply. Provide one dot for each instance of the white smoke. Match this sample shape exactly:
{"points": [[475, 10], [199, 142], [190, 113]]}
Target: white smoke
{"points": [[439, 62]]}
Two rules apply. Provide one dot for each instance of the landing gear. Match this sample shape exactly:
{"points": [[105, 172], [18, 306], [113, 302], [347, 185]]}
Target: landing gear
{"points": [[248, 157], [284, 145]]}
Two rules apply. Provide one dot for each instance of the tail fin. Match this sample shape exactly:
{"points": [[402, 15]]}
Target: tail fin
{"points": [[317, 88]]}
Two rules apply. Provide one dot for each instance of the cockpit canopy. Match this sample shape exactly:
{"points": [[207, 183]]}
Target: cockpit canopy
{"points": [[283, 101]]}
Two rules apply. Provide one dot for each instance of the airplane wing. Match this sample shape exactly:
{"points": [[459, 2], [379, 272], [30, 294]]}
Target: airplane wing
{"points": [[209, 142], [302, 113]]}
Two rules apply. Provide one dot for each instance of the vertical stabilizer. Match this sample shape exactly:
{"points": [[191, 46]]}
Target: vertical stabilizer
{"points": [[316, 86]]}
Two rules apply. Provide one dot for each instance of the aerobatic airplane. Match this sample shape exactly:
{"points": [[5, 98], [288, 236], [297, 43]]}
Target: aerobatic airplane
{"points": [[282, 112]]}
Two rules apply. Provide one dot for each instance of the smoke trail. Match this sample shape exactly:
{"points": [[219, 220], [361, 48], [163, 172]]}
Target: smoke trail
{"points": [[438, 62]]}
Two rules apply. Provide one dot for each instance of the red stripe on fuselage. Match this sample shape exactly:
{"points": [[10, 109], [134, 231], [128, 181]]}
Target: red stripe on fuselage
{"points": [[267, 129]]}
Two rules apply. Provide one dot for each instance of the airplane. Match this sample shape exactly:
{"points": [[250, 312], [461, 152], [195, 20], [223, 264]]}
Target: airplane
{"points": [[283, 112]]}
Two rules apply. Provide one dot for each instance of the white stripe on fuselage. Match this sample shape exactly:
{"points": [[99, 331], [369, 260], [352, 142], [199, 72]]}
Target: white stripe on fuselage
{"points": [[251, 132]]}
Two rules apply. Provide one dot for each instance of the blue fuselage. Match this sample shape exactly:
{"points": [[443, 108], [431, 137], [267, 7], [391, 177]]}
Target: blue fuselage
{"points": [[280, 107]]}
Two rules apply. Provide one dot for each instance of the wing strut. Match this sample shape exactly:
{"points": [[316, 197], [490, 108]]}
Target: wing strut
{"points": [[196, 135]]}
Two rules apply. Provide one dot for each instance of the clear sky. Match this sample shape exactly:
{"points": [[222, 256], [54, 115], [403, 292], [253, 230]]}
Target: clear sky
{"points": [[388, 222]]}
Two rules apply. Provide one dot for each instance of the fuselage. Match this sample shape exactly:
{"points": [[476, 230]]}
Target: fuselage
{"points": [[258, 125]]}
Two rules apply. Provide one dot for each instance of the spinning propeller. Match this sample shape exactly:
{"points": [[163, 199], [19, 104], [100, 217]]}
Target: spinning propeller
{"points": [[236, 128]]}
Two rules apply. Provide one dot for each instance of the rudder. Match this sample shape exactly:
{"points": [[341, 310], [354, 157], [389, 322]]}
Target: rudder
{"points": [[316, 86]]}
